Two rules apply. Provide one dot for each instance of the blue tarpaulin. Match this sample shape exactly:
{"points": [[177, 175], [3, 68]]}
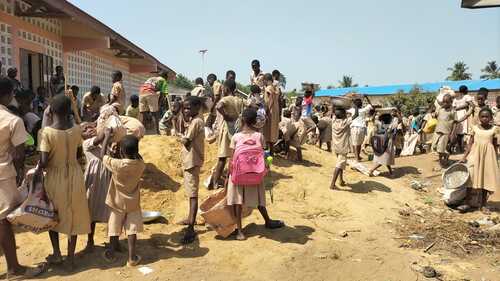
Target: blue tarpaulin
{"points": [[473, 85]]}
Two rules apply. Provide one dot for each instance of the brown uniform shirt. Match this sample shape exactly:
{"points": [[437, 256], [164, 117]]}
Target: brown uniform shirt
{"points": [[12, 134], [92, 104], [119, 92], [341, 131], [232, 105], [123, 194], [195, 133]]}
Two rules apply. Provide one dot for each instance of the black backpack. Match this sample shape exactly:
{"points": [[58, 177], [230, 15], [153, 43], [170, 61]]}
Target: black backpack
{"points": [[380, 142]]}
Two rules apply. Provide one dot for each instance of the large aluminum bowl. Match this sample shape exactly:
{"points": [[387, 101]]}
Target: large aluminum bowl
{"points": [[149, 216]]}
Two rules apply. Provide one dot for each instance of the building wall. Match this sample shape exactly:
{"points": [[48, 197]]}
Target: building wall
{"points": [[82, 68]]}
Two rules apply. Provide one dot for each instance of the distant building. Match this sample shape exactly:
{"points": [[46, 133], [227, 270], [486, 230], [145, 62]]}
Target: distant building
{"points": [[378, 93], [38, 35]]}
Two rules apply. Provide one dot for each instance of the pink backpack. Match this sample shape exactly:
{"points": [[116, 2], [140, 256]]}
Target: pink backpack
{"points": [[248, 165]]}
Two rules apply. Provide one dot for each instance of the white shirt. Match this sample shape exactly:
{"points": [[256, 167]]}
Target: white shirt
{"points": [[360, 120]]}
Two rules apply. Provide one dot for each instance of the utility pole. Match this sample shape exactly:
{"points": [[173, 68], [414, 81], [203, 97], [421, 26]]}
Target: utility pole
{"points": [[203, 52]]}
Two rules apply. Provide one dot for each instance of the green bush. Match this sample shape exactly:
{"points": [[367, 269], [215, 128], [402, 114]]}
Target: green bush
{"points": [[411, 102]]}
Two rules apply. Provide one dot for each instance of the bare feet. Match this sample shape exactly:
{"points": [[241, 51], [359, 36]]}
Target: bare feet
{"points": [[342, 183], [333, 187]]}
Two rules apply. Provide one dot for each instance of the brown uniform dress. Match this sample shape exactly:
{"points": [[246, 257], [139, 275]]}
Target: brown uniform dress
{"points": [[123, 197], [325, 129], [12, 134], [194, 156], [486, 172], [64, 181], [233, 106], [341, 136], [271, 128], [443, 129]]}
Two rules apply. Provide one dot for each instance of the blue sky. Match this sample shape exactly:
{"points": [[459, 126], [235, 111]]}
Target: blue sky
{"points": [[376, 42]]}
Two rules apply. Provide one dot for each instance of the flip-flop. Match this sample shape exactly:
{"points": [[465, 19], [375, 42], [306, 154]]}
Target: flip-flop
{"points": [[53, 260], [134, 262], [188, 238], [275, 224], [29, 273], [111, 259]]}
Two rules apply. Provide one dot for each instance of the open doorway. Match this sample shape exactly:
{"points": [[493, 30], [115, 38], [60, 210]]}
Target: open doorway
{"points": [[35, 69]]}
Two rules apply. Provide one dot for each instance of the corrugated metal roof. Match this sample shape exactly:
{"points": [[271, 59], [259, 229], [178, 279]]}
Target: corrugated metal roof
{"points": [[473, 85]]}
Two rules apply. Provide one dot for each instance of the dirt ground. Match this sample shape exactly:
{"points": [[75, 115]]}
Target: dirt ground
{"points": [[308, 248]]}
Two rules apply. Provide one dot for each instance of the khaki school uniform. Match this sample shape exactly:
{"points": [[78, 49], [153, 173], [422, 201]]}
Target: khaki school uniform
{"points": [[325, 129], [271, 128], [233, 106], [445, 118], [198, 91], [12, 134], [64, 180], [91, 106], [258, 80], [123, 196], [119, 92], [341, 136], [194, 156]]}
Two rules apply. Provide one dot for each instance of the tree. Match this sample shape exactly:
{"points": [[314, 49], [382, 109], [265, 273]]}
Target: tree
{"points": [[491, 71], [459, 72], [409, 103], [282, 80], [346, 82], [183, 82]]}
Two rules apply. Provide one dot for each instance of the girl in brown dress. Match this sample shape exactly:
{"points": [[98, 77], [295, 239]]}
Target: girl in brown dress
{"points": [[271, 99], [64, 182], [482, 154]]}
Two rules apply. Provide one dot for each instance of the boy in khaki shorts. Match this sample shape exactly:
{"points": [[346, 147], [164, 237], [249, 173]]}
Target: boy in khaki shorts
{"points": [[124, 198], [193, 151]]}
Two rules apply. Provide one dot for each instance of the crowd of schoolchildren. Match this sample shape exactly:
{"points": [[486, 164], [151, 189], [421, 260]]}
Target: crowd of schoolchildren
{"points": [[245, 127]]}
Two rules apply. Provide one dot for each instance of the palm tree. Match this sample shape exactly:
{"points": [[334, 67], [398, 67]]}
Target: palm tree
{"points": [[346, 82], [491, 71], [459, 72]]}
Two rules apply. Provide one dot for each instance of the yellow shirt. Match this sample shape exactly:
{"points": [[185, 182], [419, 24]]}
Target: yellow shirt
{"points": [[132, 112], [119, 92]]}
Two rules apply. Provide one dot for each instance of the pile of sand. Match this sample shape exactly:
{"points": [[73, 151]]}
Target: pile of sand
{"points": [[163, 175]]}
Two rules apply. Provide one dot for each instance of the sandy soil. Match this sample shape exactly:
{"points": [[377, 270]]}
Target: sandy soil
{"points": [[308, 248]]}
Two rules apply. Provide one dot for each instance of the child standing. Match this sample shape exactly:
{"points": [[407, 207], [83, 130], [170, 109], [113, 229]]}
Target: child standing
{"points": [[271, 99], [325, 130], [388, 128], [64, 182], [341, 135], [249, 195], [97, 180], [12, 153], [256, 101], [133, 108], [483, 156], [230, 108], [193, 156], [117, 92], [124, 198], [446, 117]]}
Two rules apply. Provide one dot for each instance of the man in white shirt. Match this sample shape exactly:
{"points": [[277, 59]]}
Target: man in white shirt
{"points": [[358, 125]]}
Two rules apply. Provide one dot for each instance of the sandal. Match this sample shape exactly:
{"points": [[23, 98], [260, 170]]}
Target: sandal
{"points": [[108, 256], [134, 262], [275, 224], [464, 208], [189, 237], [30, 272], [54, 260]]}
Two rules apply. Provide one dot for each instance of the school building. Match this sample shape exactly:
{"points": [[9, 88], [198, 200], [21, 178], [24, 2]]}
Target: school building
{"points": [[38, 35], [377, 94]]}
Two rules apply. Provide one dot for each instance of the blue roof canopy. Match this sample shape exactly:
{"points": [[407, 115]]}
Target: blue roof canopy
{"points": [[473, 85]]}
